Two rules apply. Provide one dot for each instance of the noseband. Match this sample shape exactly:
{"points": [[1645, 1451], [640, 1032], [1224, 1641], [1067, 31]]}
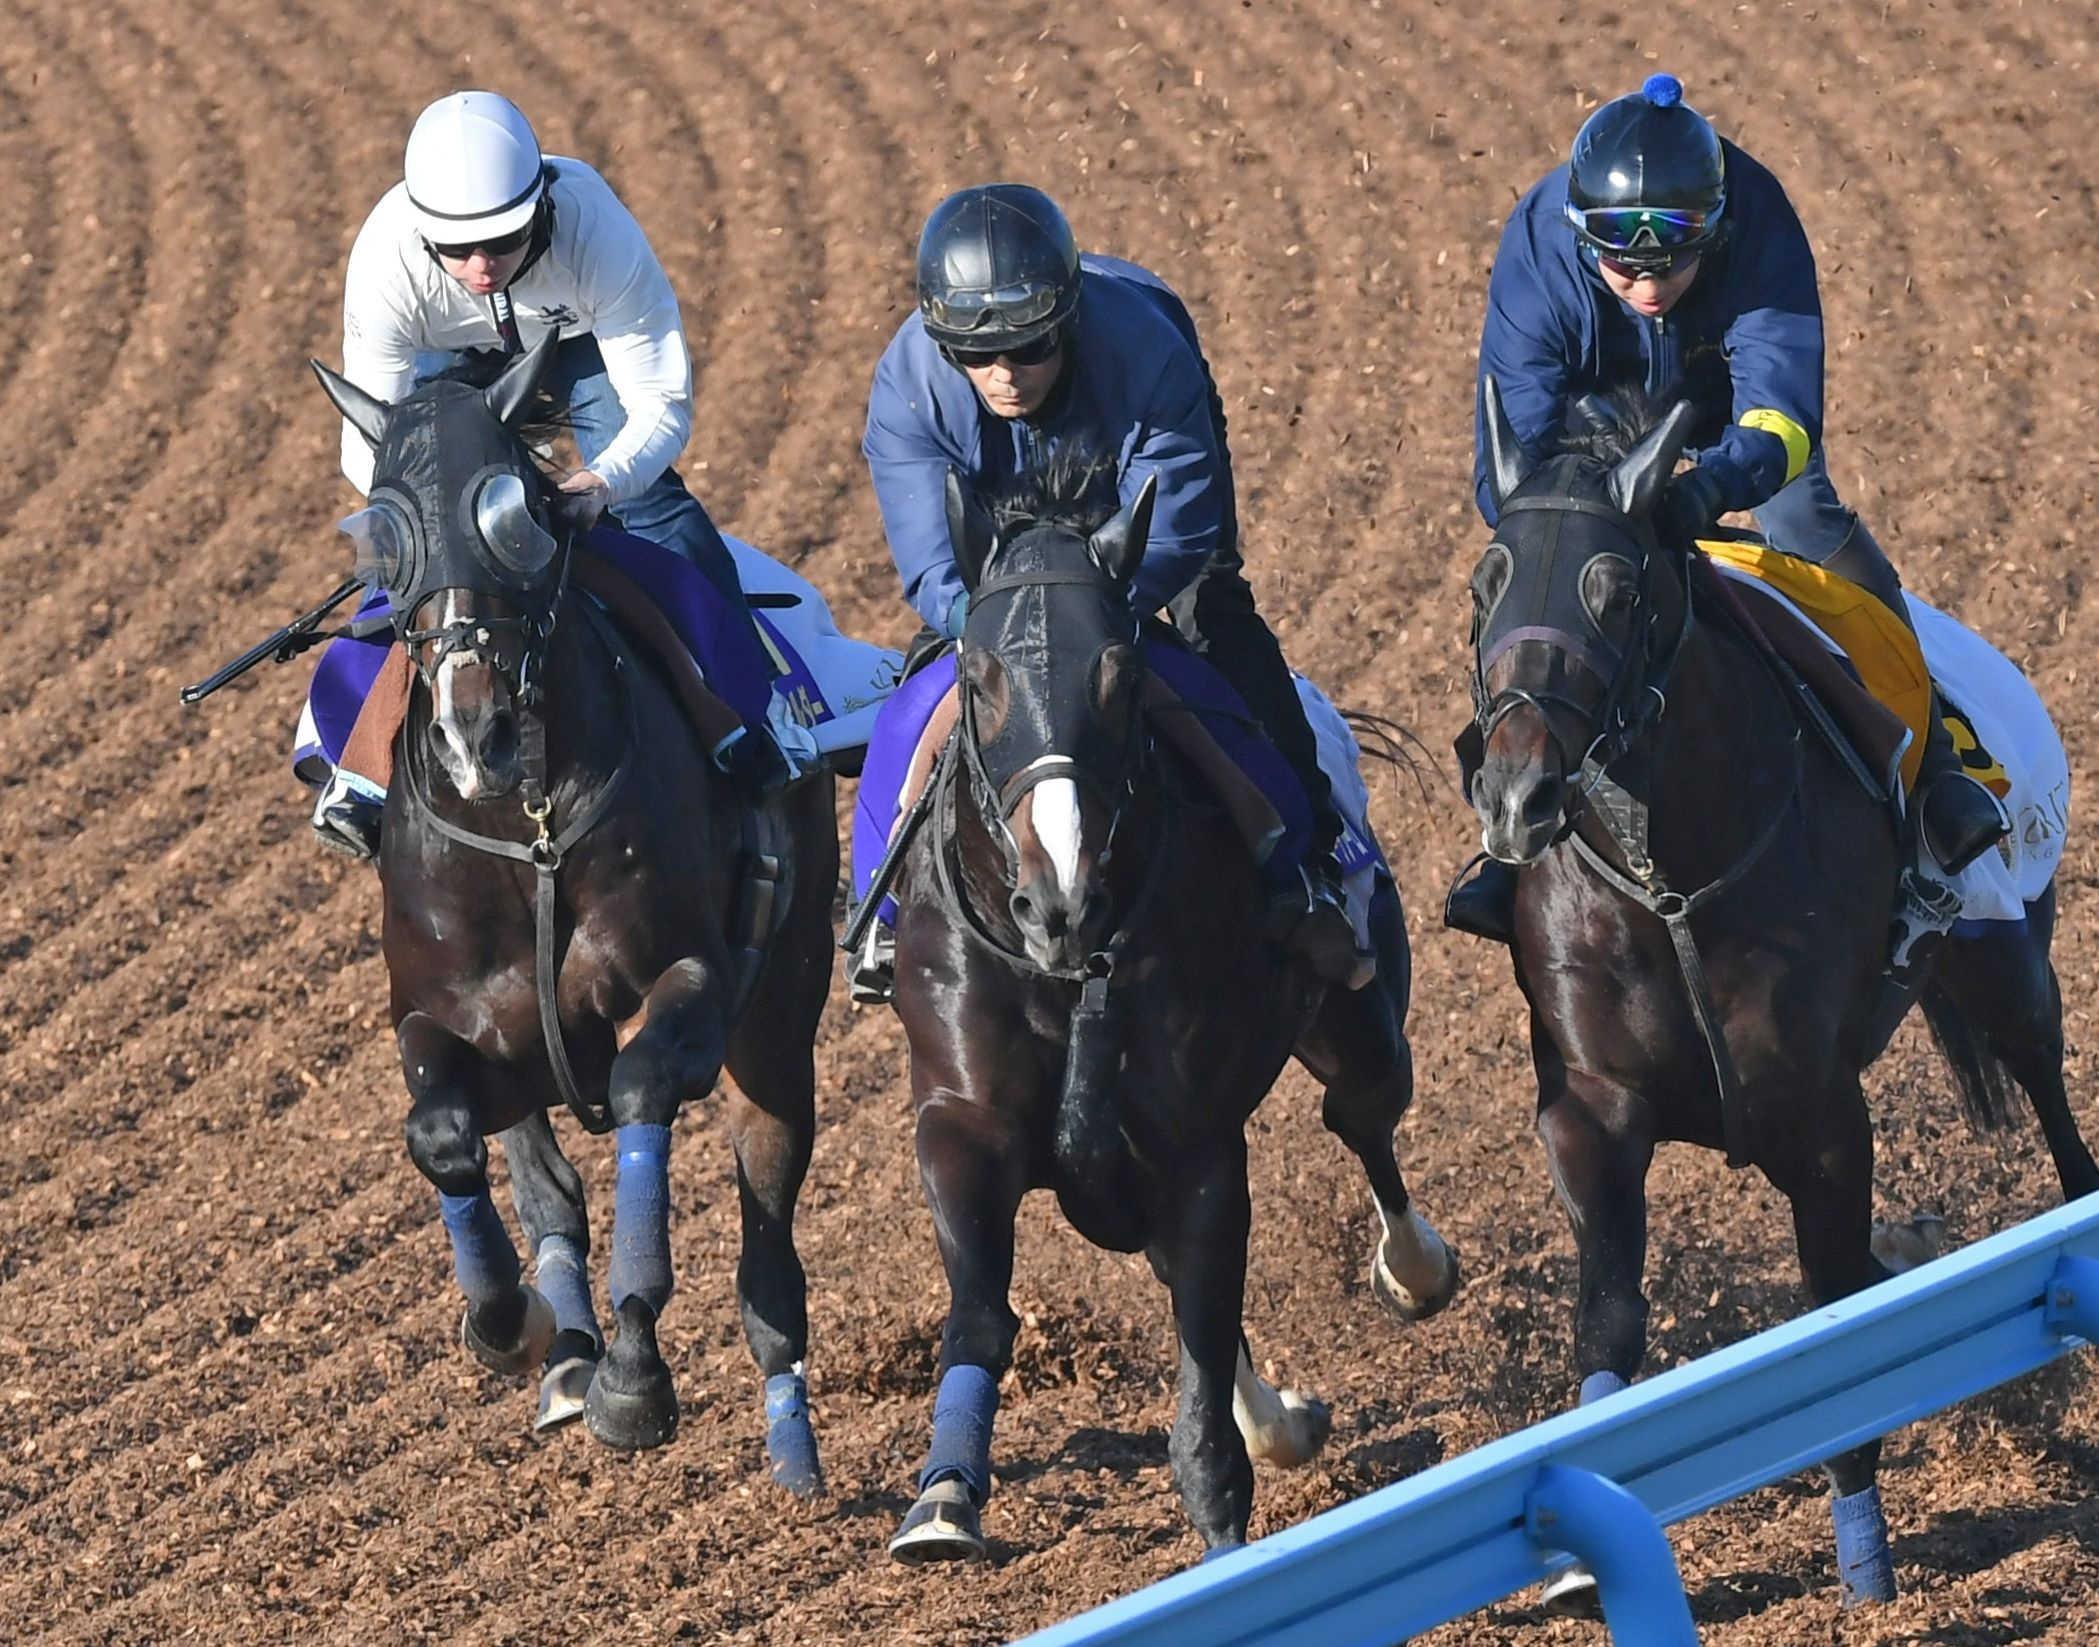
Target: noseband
{"points": [[474, 637]]}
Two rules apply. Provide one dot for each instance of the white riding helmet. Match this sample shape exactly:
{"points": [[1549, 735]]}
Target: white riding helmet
{"points": [[473, 169]]}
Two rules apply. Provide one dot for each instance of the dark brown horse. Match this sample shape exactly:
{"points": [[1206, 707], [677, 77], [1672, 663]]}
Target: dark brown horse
{"points": [[1092, 1007], [578, 904], [1686, 844]]}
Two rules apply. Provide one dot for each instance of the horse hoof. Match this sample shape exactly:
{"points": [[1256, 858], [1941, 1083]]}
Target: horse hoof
{"points": [[1402, 1301], [535, 1336], [632, 1404], [942, 1526], [565, 1382], [1909, 1246], [1294, 1437], [1573, 1594]]}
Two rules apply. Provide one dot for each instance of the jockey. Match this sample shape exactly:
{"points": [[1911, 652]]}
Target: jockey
{"points": [[1662, 254], [1020, 344], [486, 244]]}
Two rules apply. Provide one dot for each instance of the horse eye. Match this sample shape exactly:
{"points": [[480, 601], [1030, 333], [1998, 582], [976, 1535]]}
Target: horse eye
{"points": [[1608, 588], [1490, 579], [503, 515], [992, 694]]}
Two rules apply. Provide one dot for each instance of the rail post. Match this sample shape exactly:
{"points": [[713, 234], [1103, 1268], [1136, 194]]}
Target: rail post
{"points": [[1613, 1535]]}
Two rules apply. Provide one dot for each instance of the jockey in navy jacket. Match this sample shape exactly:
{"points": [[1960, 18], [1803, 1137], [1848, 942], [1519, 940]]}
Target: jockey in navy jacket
{"points": [[1137, 387], [1744, 344]]}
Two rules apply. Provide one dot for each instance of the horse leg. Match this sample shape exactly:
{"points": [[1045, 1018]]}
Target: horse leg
{"points": [[1829, 1182], [678, 1053], [2004, 986], [1358, 1047], [508, 1325], [551, 1205], [772, 1124], [972, 1163], [1598, 1147], [1201, 1251]]}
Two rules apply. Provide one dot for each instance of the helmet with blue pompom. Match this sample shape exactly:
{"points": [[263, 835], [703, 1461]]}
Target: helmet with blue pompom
{"points": [[1647, 180]]}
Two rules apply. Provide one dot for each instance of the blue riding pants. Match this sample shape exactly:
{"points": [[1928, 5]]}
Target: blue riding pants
{"points": [[1805, 517]]}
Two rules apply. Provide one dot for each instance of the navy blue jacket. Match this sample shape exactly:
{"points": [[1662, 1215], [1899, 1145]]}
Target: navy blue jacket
{"points": [[1135, 388], [1744, 343]]}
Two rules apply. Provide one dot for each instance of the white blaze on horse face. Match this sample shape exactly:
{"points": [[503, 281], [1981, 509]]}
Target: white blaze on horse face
{"points": [[463, 770], [1053, 808]]}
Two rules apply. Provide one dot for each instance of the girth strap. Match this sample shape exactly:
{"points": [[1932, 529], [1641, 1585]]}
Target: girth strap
{"points": [[1675, 910]]}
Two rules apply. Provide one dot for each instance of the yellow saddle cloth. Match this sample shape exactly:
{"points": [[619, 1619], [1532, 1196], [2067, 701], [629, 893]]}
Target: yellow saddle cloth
{"points": [[1880, 646]]}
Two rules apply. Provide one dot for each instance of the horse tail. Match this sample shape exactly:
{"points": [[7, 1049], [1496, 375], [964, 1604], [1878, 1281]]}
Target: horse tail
{"points": [[1397, 746], [1093, 1162], [1984, 1083]]}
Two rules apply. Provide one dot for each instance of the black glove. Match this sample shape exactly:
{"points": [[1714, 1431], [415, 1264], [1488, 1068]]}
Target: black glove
{"points": [[1689, 506]]}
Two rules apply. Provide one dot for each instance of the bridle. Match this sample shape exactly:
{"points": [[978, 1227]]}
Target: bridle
{"points": [[1635, 681], [995, 802]]}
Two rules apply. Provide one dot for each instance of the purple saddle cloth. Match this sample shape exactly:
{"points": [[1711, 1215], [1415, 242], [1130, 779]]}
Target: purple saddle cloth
{"points": [[903, 719], [729, 657]]}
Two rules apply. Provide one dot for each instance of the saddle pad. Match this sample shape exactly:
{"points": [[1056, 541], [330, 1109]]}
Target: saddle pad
{"points": [[1848, 621], [828, 682]]}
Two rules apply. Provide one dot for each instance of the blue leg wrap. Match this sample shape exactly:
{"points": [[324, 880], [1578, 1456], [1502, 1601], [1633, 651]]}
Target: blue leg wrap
{"points": [[565, 1284], [483, 1260], [1863, 1559], [1600, 1384], [789, 1441], [962, 1415], [641, 1217]]}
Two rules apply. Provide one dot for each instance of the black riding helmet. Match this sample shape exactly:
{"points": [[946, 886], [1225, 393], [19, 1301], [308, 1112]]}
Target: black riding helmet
{"points": [[997, 269], [1647, 182]]}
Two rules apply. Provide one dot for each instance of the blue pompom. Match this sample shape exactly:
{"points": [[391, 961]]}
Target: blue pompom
{"points": [[1664, 91]]}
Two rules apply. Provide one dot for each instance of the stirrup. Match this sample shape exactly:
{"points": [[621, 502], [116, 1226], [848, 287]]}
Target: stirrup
{"points": [[1925, 910], [347, 817], [870, 972]]}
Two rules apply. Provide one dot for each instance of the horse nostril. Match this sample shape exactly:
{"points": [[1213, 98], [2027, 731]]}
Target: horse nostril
{"points": [[500, 742], [1542, 804], [1023, 908]]}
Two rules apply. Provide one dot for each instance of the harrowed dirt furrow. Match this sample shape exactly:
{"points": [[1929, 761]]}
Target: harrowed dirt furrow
{"points": [[212, 1246]]}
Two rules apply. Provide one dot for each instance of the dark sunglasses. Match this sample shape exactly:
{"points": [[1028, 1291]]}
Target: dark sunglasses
{"points": [[1641, 228], [1034, 353], [494, 248]]}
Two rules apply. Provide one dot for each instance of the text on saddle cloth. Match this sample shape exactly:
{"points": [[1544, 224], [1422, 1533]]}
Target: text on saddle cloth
{"points": [[1244, 770]]}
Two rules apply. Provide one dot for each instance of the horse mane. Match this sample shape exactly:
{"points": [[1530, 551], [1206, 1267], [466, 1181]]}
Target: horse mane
{"points": [[544, 417], [1604, 428], [1073, 487]]}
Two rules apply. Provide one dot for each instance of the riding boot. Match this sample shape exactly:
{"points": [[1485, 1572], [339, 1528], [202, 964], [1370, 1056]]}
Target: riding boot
{"points": [[1484, 905], [347, 816], [1958, 818], [870, 970]]}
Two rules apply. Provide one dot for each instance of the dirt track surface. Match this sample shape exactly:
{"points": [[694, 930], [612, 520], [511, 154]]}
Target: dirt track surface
{"points": [[232, 1405]]}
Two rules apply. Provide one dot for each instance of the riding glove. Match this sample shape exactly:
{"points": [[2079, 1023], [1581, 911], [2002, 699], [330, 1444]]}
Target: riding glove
{"points": [[1690, 505]]}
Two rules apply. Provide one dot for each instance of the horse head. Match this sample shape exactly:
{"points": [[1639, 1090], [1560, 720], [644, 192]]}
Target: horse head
{"points": [[1049, 673], [1577, 612], [464, 533]]}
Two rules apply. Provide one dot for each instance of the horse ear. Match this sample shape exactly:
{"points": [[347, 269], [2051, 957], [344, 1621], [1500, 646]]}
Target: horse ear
{"points": [[1505, 455], [969, 530], [1638, 479], [511, 393], [1118, 547], [363, 412]]}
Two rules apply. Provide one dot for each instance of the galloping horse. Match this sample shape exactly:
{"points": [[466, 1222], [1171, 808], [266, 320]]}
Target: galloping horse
{"points": [[1091, 1007], [1646, 767], [578, 905]]}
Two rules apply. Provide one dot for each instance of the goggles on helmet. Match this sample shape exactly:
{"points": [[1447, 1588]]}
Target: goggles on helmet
{"points": [[1011, 307], [1642, 233]]}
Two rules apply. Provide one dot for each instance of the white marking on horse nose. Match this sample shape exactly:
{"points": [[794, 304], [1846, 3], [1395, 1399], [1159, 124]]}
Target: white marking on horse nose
{"points": [[1054, 810]]}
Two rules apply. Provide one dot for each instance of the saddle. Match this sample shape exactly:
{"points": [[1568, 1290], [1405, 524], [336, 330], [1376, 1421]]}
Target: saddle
{"points": [[1868, 698]]}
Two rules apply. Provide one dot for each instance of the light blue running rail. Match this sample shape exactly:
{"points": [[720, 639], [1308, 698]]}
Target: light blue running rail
{"points": [[1600, 1483]]}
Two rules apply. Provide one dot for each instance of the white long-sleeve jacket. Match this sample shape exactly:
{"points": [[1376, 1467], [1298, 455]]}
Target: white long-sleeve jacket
{"points": [[599, 276]]}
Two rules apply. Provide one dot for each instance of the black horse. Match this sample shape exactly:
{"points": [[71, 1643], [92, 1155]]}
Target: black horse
{"points": [[1092, 1007], [578, 904], [1705, 905]]}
